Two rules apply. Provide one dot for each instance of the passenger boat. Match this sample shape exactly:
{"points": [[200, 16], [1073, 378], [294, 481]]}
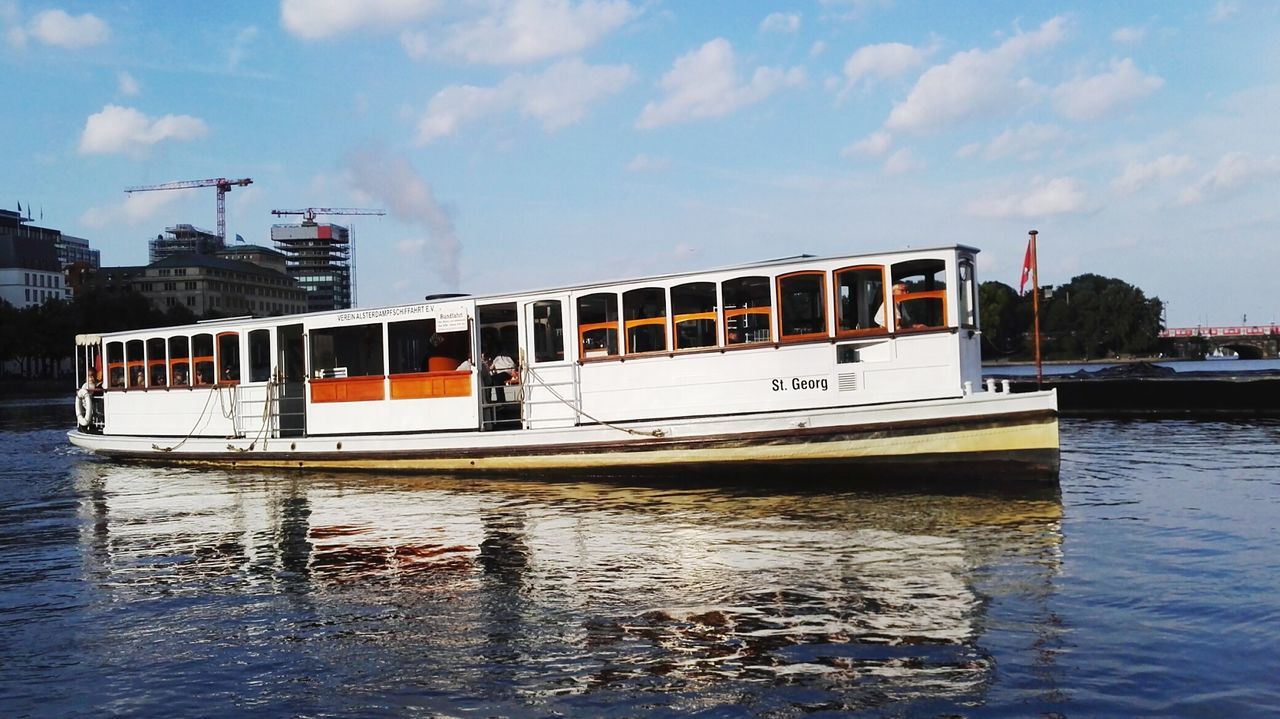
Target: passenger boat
{"points": [[863, 366]]}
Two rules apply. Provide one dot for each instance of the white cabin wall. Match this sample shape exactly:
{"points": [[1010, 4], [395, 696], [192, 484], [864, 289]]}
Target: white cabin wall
{"points": [[170, 412], [393, 415]]}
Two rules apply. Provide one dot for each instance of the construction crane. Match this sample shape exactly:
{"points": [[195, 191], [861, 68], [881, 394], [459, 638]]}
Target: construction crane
{"points": [[309, 214], [309, 220], [223, 184]]}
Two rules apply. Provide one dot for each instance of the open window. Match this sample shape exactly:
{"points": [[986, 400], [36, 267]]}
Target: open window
{"points": [[135, 364], [156, 364], [179, 362], [228, 357], [747, 310], [346, 363], [598, 325], [423, 362], [693, 310], [802, 302], [860, 307], [202, 368], [115, 365], [645, 319], [920, 294]]}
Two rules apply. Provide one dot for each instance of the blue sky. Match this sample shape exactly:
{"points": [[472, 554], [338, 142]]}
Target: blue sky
{"points": [[519, 144]]}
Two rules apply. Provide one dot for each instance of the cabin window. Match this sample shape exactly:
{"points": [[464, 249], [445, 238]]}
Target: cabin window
{"points": [[802, 305], [202, 360], [157, 373], [920, 294], [968, 294], [228, 357], [259, 355], [548, 331], [598, 325], [747, 310], [860, 300], [135, 363], [415, 346], [645, 314], [179, 362], [693, 311], [115, 364], [347, 351]]}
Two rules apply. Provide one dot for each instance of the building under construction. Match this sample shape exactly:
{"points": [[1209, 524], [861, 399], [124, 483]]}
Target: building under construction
{"points": [[183, 240], [318, 257]]}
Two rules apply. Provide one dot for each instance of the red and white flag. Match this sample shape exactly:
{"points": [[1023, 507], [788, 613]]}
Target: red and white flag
{"points": [[1027, 262]]}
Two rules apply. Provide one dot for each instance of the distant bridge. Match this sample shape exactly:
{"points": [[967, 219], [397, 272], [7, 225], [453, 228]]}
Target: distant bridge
{"points": [[1248, 341]]}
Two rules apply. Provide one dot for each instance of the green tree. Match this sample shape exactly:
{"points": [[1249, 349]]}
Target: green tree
{"points": [[1094, 317], [1005, 321]]}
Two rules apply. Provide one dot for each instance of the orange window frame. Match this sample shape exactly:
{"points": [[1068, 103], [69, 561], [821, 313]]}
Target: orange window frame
{"points": [[807, 336], [909, 296], [694, 317], [645, 322], [582, 338], [217, 350], [886, 292], [740, 311]]}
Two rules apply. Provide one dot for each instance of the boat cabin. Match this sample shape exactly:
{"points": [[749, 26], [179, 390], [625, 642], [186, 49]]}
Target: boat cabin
{"points": [[783, 335]]}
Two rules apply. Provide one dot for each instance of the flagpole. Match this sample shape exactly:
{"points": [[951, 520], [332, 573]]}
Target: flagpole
{"points": [[1035, 306]]}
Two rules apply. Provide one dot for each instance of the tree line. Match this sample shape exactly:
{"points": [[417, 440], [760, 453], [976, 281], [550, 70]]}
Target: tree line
{"points": [[36, 342], [1090, 317]]}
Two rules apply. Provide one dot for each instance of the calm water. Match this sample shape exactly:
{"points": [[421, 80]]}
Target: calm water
{"points": [[1237, 365], [1149, 586]]}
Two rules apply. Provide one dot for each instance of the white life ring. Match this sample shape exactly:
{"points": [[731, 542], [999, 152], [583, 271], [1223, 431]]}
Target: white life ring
{"points": [[83, 403]]}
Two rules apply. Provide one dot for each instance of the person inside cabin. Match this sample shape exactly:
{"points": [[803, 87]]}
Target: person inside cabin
{"points": [[157, 376], [902, 315], [117, 377], [502, 369], [179, 377], [139, 379], [464, 365]]}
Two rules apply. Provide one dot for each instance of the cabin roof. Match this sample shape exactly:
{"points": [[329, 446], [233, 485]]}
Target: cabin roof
{"points": [[759, 264]]}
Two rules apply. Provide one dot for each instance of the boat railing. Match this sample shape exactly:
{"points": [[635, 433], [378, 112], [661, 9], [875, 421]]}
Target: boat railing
{"points": [[500, 407]]}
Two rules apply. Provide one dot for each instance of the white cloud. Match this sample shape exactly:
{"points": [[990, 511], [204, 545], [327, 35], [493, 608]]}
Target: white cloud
{"points": [[817, 48], [704, 84], [902, 162], [136, 208], [1128, 35], [1234, 171], [57, 28], [645, 163], [240, 47], [127, 84], [318, 19], [557, 97], [1056, 196], [392, 181], [884, 61], [788, 23], [1139, 175], [874, 145], [123, 129], [526, 31], [1025, 143], [1223, 10], [973, 82], [1089, 98]]}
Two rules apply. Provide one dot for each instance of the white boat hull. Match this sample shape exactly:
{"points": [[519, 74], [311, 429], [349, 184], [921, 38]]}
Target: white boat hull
{"points": [[966, 435]]}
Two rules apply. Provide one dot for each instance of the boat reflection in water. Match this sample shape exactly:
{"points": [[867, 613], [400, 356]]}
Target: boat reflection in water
{"points": [[553, 590]]}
